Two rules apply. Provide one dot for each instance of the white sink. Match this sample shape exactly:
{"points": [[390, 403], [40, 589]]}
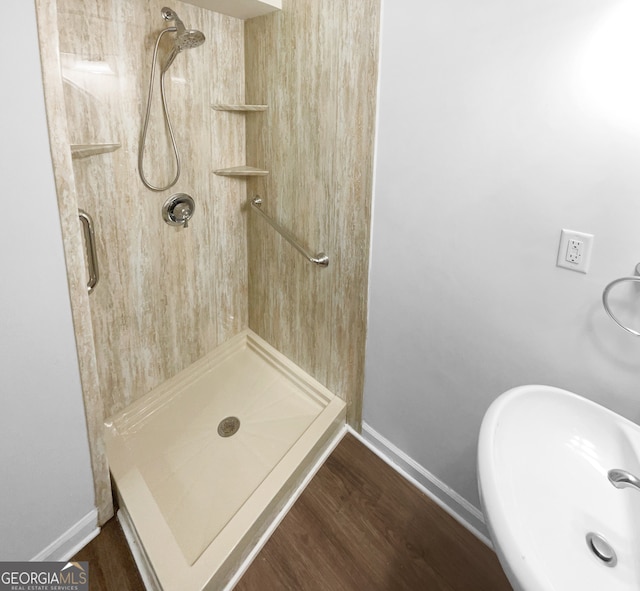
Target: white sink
{"points": [[544, 459]]}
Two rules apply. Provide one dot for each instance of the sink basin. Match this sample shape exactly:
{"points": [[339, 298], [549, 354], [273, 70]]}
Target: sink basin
{"points": [[557, 521]]}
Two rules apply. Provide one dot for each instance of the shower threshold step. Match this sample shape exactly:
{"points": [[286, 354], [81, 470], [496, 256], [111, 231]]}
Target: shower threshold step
{"points": [[204, 462]]}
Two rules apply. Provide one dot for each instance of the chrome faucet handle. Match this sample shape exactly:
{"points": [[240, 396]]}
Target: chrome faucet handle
{"points": [[623, 479], [178, 210], [186, 215], [182, 211]]}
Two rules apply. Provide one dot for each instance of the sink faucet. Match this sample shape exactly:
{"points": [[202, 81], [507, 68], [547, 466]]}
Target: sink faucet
{"points": [[622, 479]]}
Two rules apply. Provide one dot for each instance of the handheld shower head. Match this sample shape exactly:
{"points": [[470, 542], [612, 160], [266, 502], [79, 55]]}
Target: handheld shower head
{"points": [[184, 39]]}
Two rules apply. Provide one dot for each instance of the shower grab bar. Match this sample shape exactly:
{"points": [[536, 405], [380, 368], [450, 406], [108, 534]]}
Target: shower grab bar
{"points": [[320, 259], [90, 245]]}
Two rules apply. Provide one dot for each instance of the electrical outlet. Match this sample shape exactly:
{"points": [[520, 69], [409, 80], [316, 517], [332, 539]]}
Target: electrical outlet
{"points": [[574, 251]]}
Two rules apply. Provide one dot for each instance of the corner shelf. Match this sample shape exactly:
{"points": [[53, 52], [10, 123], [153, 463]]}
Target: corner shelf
{"points": [[241, 171], [239, 108], [86, 150]]}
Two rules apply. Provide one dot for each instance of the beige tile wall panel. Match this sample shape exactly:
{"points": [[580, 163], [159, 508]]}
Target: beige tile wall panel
{"points": [[166, 295], [74, 253], [315, 65]]}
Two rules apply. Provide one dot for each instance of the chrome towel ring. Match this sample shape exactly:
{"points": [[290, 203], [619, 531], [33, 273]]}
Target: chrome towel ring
{"points": [[605, 302]]}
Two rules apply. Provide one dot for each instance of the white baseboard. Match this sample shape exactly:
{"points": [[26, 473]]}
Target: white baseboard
{"points": [[71, 541], [454, 504]]}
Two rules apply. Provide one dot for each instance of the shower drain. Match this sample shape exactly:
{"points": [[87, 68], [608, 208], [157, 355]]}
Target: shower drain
{"points": [[228, 426]]}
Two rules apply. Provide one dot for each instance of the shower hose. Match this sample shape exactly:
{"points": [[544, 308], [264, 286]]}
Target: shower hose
{"points": [[143, 139]]}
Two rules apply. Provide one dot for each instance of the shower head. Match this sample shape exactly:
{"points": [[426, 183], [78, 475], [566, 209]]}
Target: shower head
{"points": [[189, 38], [184, 39]]}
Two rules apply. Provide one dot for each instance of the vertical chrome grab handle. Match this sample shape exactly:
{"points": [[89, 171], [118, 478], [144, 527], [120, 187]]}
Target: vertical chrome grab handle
{"points": [[90, 246]]}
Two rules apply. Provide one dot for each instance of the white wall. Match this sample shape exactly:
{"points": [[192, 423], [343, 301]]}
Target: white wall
{"points": [[46, 486], [500, 123]]}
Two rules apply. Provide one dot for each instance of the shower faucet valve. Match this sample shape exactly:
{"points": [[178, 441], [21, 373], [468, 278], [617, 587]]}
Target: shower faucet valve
{"points": [[178, 210]]}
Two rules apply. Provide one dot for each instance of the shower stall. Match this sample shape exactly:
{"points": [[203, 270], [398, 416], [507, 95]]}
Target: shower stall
{"points": [[217, 363]]}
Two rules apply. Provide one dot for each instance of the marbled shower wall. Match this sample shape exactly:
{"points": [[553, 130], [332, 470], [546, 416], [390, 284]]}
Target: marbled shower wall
{"points": [[316, 65], [166, 295], [169, 295]]}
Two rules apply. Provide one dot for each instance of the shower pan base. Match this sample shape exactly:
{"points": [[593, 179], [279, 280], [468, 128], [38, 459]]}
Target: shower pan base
{"points": [[205, 462]]}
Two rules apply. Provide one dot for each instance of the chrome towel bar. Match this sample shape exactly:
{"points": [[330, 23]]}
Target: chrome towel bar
{"points": [[320, 259], [90, 245]]}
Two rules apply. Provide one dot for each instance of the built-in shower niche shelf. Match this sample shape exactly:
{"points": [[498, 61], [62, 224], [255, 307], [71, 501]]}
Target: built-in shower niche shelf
{"points": [[239, 108], [243, 9], [86, 150], [241, 171]]}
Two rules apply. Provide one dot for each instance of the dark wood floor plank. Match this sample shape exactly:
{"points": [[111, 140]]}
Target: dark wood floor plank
{"points": [[111, 565], [358, 526], [363, 546], [413, 522]]}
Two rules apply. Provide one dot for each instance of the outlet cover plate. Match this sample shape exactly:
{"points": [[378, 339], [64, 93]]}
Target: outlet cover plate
{"points": [[586, 246]]}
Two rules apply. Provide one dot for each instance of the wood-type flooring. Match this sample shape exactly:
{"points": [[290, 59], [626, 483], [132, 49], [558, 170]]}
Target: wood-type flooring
{"points": [[358, 526]]}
